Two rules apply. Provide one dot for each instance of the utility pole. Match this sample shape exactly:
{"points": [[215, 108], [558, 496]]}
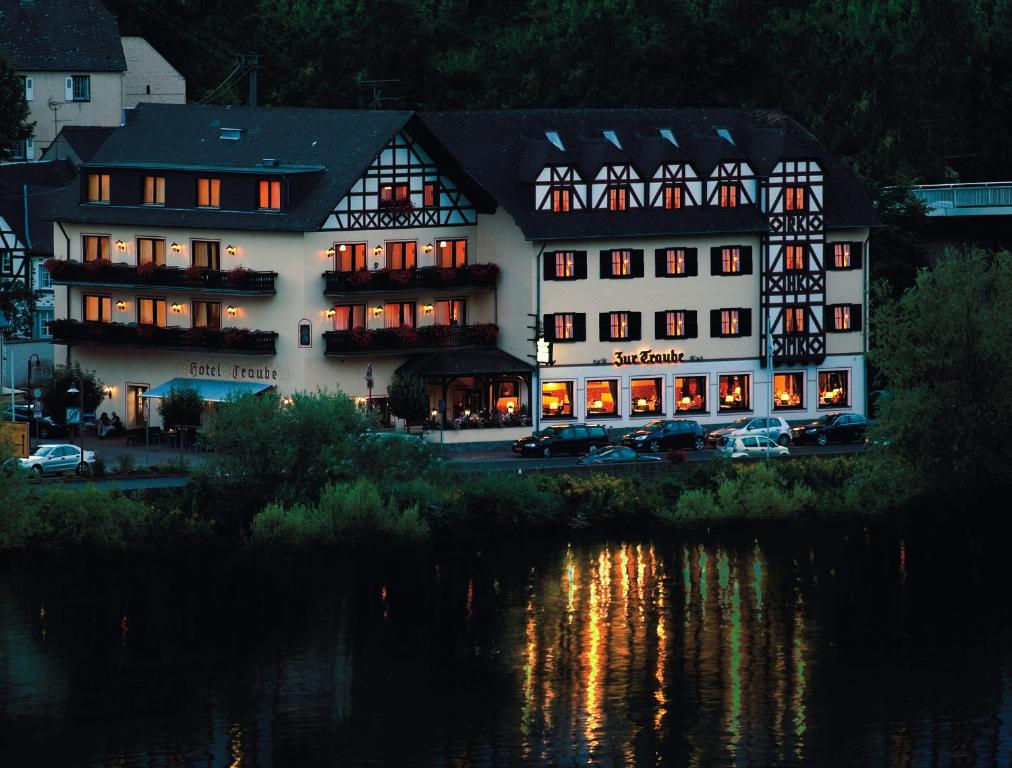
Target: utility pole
{"points": [[251, 62]]}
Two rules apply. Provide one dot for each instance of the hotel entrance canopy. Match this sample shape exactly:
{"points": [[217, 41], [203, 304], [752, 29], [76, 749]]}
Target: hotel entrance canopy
{"points": [[210, 390]]}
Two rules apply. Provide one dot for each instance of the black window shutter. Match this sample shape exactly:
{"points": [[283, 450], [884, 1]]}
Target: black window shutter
{"points": [[691, 325], [660, 325], [691, 262], [637, 262], [549, 327], [828, 319], [580, 264], [661, 262], [715, 263], [548, 265], [855, 317], [746, 259], [605, 264], [745, 322], [604, 326], [856, 255], [715, 323], [580, 327], [635, 322]]}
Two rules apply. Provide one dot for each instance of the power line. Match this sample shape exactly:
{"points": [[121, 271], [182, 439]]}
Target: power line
{"points": [[182, 27]]}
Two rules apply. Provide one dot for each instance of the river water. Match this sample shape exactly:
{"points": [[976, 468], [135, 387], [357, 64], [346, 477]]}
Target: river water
{"points": [[845, 646]]}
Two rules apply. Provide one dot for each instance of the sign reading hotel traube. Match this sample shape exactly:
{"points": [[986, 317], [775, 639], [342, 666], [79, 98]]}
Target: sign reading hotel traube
{"points": [[648, 357]]}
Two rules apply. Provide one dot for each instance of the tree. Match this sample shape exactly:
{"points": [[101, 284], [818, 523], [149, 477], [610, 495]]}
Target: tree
{"points": [[409, 397], [14, 125], [55, 399], [942, 350], [182, 407]]}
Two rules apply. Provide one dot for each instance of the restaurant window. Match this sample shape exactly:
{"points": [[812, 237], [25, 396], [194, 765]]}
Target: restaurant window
{"points": [[97, 309], [269, 197], [393, 194], [207, 314], [399, 313], [348, 316], [672, 196], [794, 257], [618, 198], [728, 195], [794, 319], [690, 393], [646, 396], [98, 188], [151, 250], [834, 389], [154, 190], [556, 399], [207, 254], [208, 193], [734, 392], [451, 312], [95, 247], [794, 199], [788, 391], [151, 312], [602, 398], [349, 257], [451, 253], [402, 254], [429, 194], [562, 199]]}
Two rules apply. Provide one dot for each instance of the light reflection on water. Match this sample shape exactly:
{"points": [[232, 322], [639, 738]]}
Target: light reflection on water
{"points": [[698, 652]]}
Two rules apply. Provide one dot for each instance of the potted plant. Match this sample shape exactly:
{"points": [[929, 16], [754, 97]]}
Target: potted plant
{"points": [[194, 274], [485, 333], [236, 337], [56, 268], [399, 278], [360, 279], [407, 337], [239, 276], [96, 265], [482, 274], [360, 337]]}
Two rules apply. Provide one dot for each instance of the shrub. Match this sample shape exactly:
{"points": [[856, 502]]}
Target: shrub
{"points": [[98, 467], [181, 407], [408, 397], [357, 511], [125, 463], [501, 502], [297, 525], [89, 518], [599, 499], [694, 506], [17, 516]]}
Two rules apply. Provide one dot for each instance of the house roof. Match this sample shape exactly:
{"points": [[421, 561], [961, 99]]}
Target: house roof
{"points": [[336, 145], [84, 140], [60, 35], [45, 183], [502, 151]]}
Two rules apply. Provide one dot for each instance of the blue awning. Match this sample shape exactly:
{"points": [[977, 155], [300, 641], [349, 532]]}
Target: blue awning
{"points": [[212, 391]]}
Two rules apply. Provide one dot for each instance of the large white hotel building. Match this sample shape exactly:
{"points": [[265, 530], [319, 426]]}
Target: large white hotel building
{"points": [[682, 262]]}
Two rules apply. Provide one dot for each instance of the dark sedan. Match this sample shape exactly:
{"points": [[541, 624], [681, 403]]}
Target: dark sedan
{"points": [[619, 454], [832, 428], [664, 434]]}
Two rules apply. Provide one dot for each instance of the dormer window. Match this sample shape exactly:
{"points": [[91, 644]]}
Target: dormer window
{"points": [[794, 199], [556, 140], [728, 195], [672, 196], [668, 135], [612, 138], [618, 198], [393, 195], [98, 188], [562, 199], [154, 190], [269, 198], [208, 193]]}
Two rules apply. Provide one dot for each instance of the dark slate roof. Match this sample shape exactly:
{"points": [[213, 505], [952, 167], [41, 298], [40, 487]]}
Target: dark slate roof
{"points": [[337, 144], [466, 362], [60, 35], [85, 140], [44, 181], [503, 151]]}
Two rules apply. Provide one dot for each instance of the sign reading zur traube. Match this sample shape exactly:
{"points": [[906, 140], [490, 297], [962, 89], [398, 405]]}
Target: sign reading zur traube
{"points": [[648, 357]]}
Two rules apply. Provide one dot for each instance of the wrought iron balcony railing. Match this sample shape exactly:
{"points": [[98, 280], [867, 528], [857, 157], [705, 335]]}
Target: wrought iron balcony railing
{"points": [[239, 280], [434, 278], [237, 340], [360, 341]]}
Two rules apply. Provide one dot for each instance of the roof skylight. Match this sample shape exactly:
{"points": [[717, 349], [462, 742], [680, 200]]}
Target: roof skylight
{"points": [[725, 135], [668, 136], [610, 136], [553, 136]]}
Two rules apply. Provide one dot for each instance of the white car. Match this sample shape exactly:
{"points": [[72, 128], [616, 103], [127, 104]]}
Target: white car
{"points": [[775, 428], [54, 459], [751, 447]]}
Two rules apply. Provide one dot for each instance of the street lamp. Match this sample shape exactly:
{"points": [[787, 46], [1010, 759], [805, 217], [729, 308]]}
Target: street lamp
{"points": [[77, 388], [34, 367]]}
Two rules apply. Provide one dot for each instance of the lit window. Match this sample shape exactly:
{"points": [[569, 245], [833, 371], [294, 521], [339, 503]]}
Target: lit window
{"points": [[429, 194], [556, 399], [794, 198], [690, 393], [672, 196], [95, 247], [270, 195], [674, 324], [564, 326], [97, 309], [565, 264], [98, 187], [734, 392], [834, 391], [207, 314], [402, 255], [151, 312], [617, 198], [397, 314], [795, 257], [618, 323], [209, 193], [602, 398], [730, 261], [451, 312], [729, 322], [154, 190], [841, 255], [348, 316], [151, 250], [645, 395], [674, 261], [562, 199], [393, 194], [451, 253], [795, 319], [207, 254], [788, 391], [349, 257], [841, 317], [728, 195], [621, 263]]}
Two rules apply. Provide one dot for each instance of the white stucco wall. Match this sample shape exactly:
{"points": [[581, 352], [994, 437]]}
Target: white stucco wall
{"points": [[149, 76]]}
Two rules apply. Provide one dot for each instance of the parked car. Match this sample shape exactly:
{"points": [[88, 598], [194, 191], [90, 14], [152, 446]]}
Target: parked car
{"points": [[773, 427], [22, 413], [833, 428], [751, 447], [54, 459], [563, 438], [43, 426], [618, 454], [662, 434]]}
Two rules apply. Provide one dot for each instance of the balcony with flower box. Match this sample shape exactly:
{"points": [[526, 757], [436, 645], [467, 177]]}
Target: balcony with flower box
{"points": [[423, 278], [238, 280], [236, 340], [406, 340]]}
